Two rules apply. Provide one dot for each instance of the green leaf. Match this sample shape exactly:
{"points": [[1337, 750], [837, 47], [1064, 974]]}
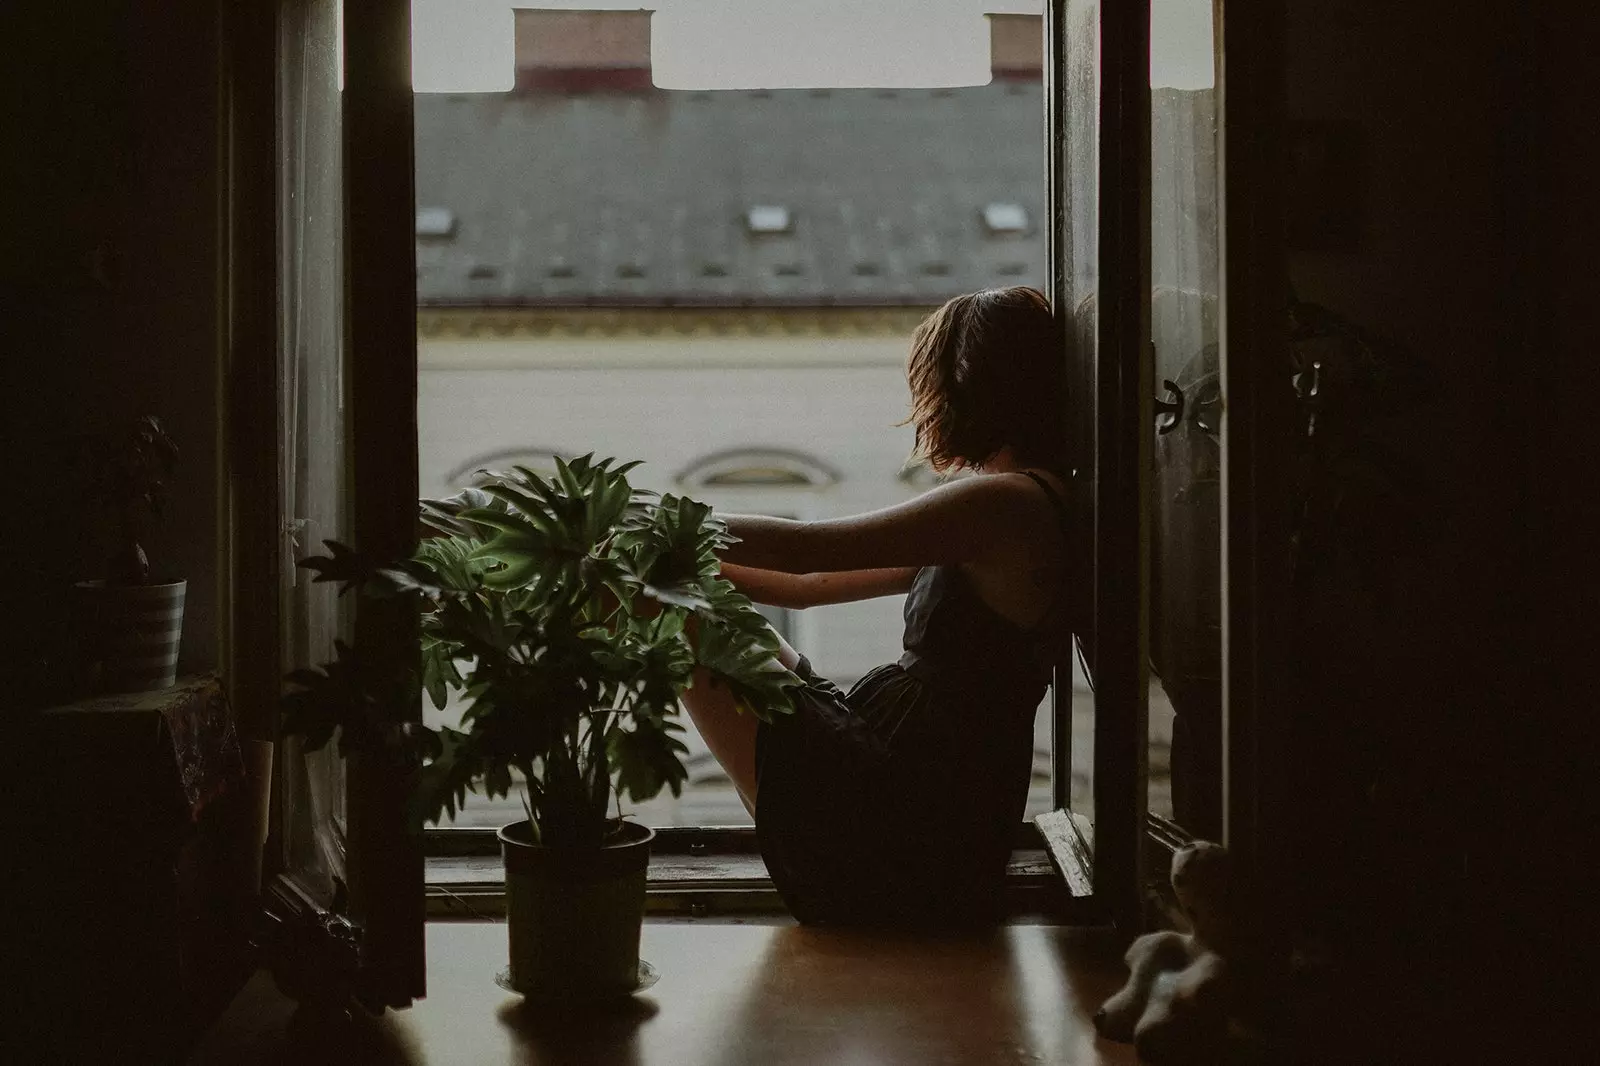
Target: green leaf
{"points": [[647, 758], [447, 776], [343, 564]]}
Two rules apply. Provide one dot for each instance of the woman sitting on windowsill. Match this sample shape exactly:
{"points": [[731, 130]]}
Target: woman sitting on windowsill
{"points": [[897, 802]]}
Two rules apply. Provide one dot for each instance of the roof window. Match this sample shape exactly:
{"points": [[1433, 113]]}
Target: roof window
{"points": [[1006, 219], [769, 218], [436, 222]]}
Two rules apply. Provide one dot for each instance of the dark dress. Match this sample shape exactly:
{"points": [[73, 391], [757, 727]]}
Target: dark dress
{"points": [[896, 803]]}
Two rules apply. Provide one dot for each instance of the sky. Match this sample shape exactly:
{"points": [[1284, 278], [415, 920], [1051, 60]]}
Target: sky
{"points": [[466, 46]]}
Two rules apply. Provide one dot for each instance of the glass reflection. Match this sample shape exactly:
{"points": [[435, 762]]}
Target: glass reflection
{"points": [[1185, 742]]}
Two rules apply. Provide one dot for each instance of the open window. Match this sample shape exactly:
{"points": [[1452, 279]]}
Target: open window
{"points": [[653, 262], [324, 435], [1081, 189]]}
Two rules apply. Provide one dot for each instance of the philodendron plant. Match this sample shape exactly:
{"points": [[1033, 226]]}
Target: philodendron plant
{"points": [[561, 610]]}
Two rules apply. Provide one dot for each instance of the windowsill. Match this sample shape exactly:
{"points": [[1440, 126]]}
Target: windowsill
{"points": [[717, 884]]}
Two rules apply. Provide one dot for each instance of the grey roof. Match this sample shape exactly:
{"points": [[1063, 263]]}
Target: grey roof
{"points": [[614, 198]]}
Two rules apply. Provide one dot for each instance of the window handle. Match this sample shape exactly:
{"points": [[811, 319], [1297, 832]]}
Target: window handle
{"points": [[1169, 409]]}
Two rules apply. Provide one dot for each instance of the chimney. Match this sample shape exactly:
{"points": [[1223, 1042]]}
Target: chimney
{"points": [[1016, 47], [583, 51]]}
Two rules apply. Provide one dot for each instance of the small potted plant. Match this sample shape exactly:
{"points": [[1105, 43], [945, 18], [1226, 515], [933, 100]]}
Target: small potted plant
{"points": [[562, 610], [135, 622]]}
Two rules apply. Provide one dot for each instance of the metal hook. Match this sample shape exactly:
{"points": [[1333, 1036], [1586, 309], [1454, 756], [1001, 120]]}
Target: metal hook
{"points": [[1173, 407]]}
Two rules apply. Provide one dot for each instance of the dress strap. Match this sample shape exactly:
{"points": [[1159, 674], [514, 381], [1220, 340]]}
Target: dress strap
{"points": [[1055, 499], [1057, 600]]}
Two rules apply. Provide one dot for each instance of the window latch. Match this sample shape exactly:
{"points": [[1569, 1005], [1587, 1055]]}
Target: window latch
{"points": [[1171, 410]]}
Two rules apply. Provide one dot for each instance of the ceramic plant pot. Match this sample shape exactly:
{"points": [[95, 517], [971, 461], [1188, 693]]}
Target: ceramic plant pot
{"points": [[574, 914], [134, 632]]}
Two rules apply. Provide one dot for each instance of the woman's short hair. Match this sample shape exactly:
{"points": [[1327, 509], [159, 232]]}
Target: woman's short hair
{"points": [[986, 370]]}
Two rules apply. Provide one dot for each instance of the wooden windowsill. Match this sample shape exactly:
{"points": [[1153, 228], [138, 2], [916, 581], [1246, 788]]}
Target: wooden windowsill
{"points": [[717, 883]]}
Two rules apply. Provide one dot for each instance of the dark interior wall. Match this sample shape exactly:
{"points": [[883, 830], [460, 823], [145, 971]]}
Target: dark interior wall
{"points": [[1429, 98], [1554, 737], [1473, 249], [108, 270]]}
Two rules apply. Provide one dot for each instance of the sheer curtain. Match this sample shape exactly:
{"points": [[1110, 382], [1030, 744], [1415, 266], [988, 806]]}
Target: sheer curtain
{"points": [[314, 434]]}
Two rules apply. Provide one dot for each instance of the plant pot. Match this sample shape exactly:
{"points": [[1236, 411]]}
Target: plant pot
{"points": [[133, 632], [574, 914]]}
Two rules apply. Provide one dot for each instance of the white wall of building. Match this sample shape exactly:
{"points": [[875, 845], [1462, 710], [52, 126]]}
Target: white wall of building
{"points": [[672, 401]]}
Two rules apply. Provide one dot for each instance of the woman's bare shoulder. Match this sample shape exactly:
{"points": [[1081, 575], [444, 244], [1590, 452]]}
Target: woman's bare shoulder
{"points": [[1000, 487]]}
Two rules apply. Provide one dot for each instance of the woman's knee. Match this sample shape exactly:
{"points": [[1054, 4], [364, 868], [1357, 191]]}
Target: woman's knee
{"points": [[786, 653]]}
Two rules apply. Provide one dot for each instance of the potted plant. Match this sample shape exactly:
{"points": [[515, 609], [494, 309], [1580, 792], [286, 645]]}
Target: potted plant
{"points": [[561, 609], [135, 622]]}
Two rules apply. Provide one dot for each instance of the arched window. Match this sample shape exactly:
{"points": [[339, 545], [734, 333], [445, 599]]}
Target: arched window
{"points": [[757, 468], [541, 461]]}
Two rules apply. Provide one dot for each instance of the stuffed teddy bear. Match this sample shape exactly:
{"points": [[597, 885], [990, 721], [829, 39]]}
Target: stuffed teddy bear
{"points": [[1173, 1009]]}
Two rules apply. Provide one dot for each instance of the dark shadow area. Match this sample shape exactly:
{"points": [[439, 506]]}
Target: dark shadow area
{"points": [[1017, 993], [361, 1038], [589, 1032]]}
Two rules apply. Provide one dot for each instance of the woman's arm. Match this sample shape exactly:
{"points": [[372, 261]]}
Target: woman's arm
{"points": [[798, 591], [957, 522]]}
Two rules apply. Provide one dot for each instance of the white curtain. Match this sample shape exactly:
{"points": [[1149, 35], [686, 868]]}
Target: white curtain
{"points": [[313, 437]]}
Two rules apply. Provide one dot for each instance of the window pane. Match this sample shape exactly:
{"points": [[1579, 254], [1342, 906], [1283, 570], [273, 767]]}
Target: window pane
{"points": [[313, 441], [721, 283], [1077, 161], [1185, 754]]}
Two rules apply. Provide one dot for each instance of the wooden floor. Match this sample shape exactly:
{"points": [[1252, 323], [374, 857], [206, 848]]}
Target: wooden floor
{"points": [[736, 994]]}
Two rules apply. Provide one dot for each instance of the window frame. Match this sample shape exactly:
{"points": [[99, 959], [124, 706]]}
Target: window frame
{"points": [[381, 858], [383, 253], [1117, 873], [1257, 410]]}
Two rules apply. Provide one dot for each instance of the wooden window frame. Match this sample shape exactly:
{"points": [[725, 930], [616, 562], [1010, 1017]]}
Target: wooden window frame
{"points": [[1119, 836], [382, 857], [379, 134]]}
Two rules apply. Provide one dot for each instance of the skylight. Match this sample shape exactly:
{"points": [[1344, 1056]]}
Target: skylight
{"points": [[1006, 218], [768, 218], [436, 222]]}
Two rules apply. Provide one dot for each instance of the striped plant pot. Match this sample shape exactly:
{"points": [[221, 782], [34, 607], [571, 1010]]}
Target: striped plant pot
{"points": [[135, 630]]}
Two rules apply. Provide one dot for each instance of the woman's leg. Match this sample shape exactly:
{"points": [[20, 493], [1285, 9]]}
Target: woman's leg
{"points": [[727, 731]]}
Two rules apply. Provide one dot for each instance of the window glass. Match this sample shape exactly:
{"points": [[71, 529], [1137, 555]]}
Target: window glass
{"points": [[1185, 694], [715, 282], [313, 473], [1076, 162]]}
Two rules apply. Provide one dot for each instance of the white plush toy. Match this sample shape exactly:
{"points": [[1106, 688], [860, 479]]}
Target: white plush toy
{"points": [[1173, 1009]]}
